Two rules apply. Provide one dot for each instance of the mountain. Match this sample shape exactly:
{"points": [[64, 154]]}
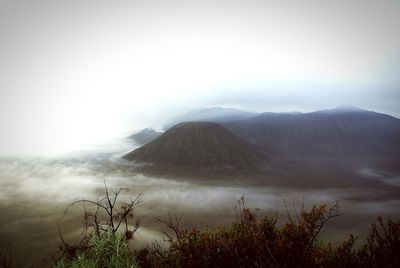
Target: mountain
{"points": [[343, 131], [343, 109], [145, 136], [213, 114], [327, 148], [198, 146]]}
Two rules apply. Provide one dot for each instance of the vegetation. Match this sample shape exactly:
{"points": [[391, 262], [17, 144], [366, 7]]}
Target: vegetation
{"points": [[104, 244], [5, 257], [249, 242], [261, 243], [106, 250]]}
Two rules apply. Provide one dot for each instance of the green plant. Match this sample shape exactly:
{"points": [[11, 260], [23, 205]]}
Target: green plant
{"points": [[108, 226], [107, 250]]}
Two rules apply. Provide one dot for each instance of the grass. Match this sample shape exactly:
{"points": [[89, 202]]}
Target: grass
{"points": [[107, 250]]}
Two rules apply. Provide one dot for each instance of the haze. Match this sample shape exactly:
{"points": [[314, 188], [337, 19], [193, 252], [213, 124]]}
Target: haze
{"points": [[79, 79], [75, 73]]}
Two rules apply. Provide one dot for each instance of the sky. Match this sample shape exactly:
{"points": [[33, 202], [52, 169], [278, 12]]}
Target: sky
{"points": [[75, 73]]}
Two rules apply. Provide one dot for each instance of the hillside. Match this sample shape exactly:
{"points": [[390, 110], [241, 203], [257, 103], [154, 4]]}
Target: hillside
{"points": [[343, 131], [342, 146], [198, 146]]}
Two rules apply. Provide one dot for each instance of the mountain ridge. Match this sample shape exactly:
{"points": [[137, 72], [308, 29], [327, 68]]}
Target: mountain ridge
{"points": [[334, 131], [211, 114], [204, 146]]}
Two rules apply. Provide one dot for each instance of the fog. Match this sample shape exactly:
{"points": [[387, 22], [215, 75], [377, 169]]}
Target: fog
{"points": [[36, 191], [76, 76], [74, 73]]}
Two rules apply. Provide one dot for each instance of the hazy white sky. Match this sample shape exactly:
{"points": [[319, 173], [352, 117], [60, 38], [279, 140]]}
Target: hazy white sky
{"points": [[74, 73]]}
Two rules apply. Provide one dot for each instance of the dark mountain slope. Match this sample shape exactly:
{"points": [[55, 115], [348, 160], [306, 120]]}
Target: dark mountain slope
{"points": [[198, 146], [344, 131]]}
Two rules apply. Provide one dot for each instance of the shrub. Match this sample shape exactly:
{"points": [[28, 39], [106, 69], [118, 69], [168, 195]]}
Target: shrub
{"points": [[249, 242], [261, 243], [111, 225], [383, 245], [6, 258], [107, 250]]}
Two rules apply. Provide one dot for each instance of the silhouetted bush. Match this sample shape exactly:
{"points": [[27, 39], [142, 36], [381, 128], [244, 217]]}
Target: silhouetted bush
{"points": [[6, 258], [248, 242], [383, 245], [261, 243]]}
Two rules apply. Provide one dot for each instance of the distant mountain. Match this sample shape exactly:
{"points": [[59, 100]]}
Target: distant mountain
{"points": [[198, 146], [343, 131], [214, 114], [343, 109], [327, 147], [145, 136]]}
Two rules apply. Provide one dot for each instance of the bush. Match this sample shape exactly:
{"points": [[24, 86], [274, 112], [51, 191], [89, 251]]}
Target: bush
{"points": [[249, 242], [111, 225], [6, 258], [107, 250], [261, 243], [383, 245]]}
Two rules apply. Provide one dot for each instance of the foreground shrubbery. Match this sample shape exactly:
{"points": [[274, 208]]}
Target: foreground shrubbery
{"points": [[261, 243], [106, 250], [249, 242]]}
